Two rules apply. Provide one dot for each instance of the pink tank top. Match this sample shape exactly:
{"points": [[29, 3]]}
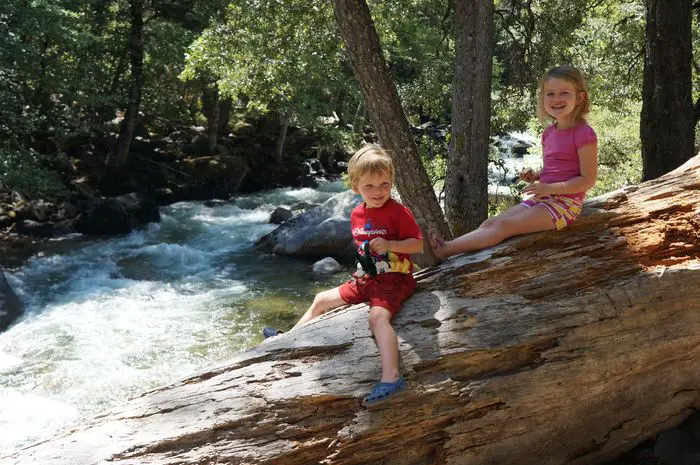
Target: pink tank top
{"points": [[560, 153]]}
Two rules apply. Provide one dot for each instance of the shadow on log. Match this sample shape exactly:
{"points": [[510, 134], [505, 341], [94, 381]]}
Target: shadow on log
{"points": [[556, 348]]}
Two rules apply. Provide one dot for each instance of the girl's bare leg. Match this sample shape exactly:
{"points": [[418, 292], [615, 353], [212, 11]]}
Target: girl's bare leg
{"points": [[514, 221]]}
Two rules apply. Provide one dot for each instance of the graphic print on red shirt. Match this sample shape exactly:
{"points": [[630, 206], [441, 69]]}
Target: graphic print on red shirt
{"points": [[392, 222]]}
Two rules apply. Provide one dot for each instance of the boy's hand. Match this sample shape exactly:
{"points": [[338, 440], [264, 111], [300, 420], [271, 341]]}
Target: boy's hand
{"points": [[379, 246], [528, 175]]}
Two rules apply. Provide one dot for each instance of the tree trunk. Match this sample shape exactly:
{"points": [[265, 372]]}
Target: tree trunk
{"points": [[466, 201], [225, 105], [210, 108], [554, 348], [105, 111], [126, 133], [339, 107], [382, 101], [279, 146], [359, 120], [667, 120]]}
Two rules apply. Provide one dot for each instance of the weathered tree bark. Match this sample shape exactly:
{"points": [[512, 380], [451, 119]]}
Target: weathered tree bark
{"points": [[382, 101], [119, 157], [554, 348], [466, 200], [667, 119]]}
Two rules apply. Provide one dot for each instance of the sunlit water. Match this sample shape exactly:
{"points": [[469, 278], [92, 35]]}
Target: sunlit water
{"points": [[111, 319]]}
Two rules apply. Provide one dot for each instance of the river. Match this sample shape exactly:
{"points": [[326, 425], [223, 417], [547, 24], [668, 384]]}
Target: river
{"points": [[109, 319]]}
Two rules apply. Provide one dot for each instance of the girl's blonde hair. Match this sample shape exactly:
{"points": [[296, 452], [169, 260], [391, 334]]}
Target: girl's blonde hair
{"points": [[575, 77], [370, 159]]}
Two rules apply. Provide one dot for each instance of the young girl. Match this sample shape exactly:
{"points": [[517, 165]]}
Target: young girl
{"points": [[570, 153]]}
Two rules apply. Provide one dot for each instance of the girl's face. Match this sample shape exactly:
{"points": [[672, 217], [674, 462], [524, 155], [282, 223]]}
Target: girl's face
{"points": [[561, 99], [375, 189]]}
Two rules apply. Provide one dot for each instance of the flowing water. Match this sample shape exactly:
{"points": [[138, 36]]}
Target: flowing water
{"points": [[107, 320]]}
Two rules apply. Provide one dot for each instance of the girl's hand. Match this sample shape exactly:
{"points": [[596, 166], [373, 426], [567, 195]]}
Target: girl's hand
{"points": [[379, 246], [529, 175], [536, 189]]}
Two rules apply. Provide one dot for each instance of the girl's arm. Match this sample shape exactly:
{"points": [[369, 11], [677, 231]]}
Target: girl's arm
{"points": [[588, 163], [407, 246]]}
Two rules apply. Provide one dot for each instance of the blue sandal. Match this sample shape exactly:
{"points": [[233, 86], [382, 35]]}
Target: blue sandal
{"points": [[382, 391]]}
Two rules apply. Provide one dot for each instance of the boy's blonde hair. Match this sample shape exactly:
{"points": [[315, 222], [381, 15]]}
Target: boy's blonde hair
{"points": [[370, 159], [575, 77]]}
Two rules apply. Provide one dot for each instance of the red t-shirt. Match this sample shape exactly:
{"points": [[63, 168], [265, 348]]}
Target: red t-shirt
{"points": [[393, 222]]}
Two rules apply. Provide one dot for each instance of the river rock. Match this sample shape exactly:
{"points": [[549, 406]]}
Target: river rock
{"points": [[10, 307], [326, 266], [34, 228], [323, 231], [117, 215], [280, 215]]}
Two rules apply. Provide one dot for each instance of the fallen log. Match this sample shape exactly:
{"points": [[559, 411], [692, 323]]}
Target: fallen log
{"points": [[555, 348]]}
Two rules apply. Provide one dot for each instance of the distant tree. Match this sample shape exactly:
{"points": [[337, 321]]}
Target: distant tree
{"points": [[667, 120], [279, 56], [531, 37], [136, 50], [466, 200], [41, 76], [163, 10], [382, 100], [211, 106]]}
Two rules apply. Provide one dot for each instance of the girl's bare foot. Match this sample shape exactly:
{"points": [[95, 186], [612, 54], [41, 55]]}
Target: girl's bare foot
{"points": [[437, 243]]}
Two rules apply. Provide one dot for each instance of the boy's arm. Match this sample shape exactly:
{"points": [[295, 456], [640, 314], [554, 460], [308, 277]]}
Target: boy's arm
{"points": [[406, 223], [408, 246]]}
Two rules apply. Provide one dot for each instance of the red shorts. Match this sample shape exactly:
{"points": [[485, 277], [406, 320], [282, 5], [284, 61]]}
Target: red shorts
{"points": [[387, 290]]}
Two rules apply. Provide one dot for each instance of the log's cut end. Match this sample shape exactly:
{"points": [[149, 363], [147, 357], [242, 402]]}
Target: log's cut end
{"points": [[555, 348]]}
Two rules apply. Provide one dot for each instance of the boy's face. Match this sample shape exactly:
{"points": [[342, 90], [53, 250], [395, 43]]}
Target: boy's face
{"points": [[375, 189]]}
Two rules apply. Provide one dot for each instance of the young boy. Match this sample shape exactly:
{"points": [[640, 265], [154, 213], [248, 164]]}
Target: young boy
{"points": [[386, 234]]}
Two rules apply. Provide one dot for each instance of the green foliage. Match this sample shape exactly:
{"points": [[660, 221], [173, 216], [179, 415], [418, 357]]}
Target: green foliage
{"points": [[26, 172], [511, 110], [64, 66], [334, 138], [275, 55], [533, 36], [165, 97], [36, 73], [619, 147], [433, 154], [418, 43], [609, 49]]}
